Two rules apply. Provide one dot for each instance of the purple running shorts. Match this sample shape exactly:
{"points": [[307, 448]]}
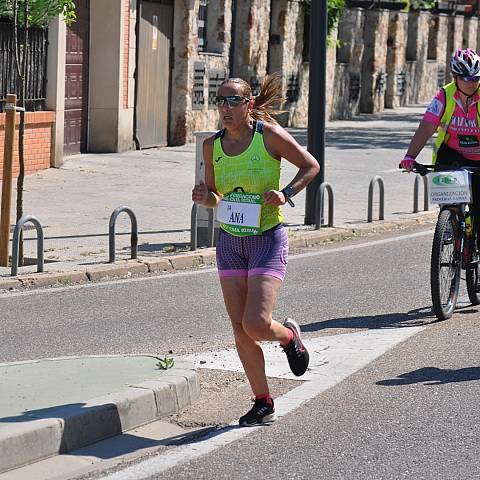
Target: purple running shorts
{"points": [[265, 254]]}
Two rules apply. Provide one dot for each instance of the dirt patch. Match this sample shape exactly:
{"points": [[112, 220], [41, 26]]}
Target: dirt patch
{"points": [[224, 397]]}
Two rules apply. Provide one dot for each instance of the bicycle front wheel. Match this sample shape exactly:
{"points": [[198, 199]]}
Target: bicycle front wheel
{"points": [[445, 264], [471, 274]]}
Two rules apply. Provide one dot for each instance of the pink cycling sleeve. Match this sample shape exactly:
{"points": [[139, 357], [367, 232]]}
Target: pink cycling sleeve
{"points": [[435, 110]]}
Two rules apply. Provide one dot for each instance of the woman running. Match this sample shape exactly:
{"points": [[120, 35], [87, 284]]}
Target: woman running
{"points": [[242, 179]]}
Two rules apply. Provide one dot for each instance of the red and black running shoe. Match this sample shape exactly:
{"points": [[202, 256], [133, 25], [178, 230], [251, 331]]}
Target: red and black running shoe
{"points": [[297, 355], [262, 413]]}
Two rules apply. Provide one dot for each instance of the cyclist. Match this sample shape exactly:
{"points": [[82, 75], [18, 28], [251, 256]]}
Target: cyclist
{"points": [[243, 161], [454, 114]]}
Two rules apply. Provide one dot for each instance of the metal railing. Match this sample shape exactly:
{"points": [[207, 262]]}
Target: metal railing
{"points": [[381, 214], [319, 199], [426, 205], [16, 242], [133, 236], [36, 88]]}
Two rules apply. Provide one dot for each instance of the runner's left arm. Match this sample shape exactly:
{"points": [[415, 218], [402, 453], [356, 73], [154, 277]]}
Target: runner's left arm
{"points": [[281, 144]]}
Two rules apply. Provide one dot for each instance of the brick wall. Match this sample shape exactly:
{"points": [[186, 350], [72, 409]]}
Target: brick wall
{"points": [[39, 144]]}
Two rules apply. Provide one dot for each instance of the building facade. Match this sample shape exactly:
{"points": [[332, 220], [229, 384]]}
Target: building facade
{"points": [[134, 74]]}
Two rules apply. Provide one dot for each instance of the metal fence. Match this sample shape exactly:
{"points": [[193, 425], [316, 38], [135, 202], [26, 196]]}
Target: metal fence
{"points": [[36, 87]]}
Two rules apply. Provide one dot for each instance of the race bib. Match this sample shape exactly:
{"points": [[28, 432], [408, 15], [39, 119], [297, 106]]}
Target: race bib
{"points": [[239, 213], [450, 187]]}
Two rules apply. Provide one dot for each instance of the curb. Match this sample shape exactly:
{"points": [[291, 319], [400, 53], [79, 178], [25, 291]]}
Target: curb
{"points": [[64, 429], [199, 258]]}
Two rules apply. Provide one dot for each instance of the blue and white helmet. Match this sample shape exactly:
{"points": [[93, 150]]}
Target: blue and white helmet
{"points": [[465, 63]]}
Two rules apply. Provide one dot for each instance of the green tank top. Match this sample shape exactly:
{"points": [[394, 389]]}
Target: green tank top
{"points": [[253, 171]]}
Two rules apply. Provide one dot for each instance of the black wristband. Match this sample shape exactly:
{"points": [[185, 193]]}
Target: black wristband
{"points": [[288, 193]]}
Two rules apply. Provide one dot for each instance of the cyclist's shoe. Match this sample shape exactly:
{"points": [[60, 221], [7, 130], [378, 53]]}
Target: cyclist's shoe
{"points": [[262, 413], [297, 354]]}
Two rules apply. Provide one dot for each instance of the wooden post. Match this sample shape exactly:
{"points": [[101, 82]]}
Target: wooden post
{"points": [[7, 179]]}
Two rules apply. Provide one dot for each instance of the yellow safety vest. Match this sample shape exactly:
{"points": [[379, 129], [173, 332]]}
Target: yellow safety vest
{"points": [[442, 135]]}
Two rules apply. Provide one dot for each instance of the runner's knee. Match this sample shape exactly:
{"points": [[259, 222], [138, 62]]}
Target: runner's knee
{"points": [[256, 327]]}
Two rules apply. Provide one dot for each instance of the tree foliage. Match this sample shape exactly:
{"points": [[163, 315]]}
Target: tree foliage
{"points": [[335, 12], [420, 4], [40, 12]]}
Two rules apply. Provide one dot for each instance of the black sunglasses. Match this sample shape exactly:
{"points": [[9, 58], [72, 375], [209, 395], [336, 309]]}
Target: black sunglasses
{"points": [[470, 79], [230, 100]]}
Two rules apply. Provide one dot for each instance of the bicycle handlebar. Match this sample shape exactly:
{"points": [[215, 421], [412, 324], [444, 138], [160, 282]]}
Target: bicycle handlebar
{"points": [[422, 169]]}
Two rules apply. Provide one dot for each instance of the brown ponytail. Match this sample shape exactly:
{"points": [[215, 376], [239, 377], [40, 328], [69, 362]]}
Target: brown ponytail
{"points": [[270, 95]]}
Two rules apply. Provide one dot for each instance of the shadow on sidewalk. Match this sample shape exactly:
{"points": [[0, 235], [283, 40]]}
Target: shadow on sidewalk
{"points": [[413, 318], [346, 139], [106, 235], [434, 376]]}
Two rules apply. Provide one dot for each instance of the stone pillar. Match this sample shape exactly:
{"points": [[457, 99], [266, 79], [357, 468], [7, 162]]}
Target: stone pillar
{"points": [[185, 29], [437, 47], [427, 70], [331, 80], [347, 74], [285, 52], [455, 40], [372, 96], [252, 25], [477, 45], [56, 84], [417, 48], [470, 27], [396, 64]]}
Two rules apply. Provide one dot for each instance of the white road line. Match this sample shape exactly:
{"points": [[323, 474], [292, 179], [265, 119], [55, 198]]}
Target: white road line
{"points": [[202, 271], [341, 356]]}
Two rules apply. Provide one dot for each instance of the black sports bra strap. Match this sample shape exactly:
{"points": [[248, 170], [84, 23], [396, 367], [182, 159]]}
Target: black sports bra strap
{"points": [[220, 133], [259, 126]]}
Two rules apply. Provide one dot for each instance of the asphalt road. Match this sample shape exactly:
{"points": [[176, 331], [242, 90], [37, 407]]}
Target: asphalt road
{"points": [[412, 413], [341, 291]]}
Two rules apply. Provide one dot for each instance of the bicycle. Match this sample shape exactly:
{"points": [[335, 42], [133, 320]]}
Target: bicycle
{"points": [[455, 247]]}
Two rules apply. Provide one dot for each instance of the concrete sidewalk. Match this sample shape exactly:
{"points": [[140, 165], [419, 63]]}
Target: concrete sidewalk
{"points": [[56, 406], [74, 203]]}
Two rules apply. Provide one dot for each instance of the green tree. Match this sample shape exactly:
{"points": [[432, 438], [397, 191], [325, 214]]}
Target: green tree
{"points": [[335, 11], [24, 15]]}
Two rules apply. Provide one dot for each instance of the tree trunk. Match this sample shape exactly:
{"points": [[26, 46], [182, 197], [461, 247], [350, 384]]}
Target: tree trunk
{"points": [[21, 61]]}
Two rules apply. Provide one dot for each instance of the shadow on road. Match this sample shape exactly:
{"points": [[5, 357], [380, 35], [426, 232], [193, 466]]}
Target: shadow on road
{"points": [[434, 376], [130, 443], [413, 318]]}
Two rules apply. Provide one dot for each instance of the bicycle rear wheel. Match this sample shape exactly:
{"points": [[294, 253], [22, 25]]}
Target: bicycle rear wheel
{"points": [[445, 264]]}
